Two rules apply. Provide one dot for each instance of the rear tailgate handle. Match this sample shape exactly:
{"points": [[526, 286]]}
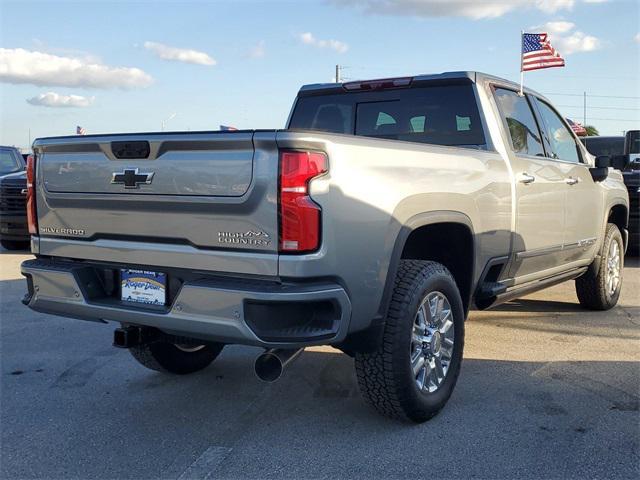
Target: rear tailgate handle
{"points": [[130, 149]]}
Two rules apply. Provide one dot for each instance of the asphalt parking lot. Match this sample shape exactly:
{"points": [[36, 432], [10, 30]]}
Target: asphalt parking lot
{"points": [[546, 390]]}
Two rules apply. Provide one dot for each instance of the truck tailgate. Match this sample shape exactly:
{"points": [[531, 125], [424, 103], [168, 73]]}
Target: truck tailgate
{"points": [[161, 199]]}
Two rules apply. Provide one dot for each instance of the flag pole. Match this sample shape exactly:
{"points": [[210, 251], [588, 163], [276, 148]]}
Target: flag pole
{"points": [[521, 70]]}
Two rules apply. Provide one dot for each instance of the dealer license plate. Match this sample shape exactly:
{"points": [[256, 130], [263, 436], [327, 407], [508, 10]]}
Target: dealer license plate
{"points": [[141, 286]]}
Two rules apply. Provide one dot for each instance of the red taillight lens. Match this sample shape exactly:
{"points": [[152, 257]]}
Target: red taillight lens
{"points": [[381, 84], [32, 219], [299, 215]]}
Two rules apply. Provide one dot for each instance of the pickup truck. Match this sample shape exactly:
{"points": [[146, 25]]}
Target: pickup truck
{"points": [[13, 189], [382, 214]]}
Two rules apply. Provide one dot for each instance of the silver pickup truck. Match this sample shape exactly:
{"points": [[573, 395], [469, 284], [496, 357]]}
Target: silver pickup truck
{"points": [[374, 222]]}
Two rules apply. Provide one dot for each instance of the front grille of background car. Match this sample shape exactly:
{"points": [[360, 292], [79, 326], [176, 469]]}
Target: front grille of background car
{"points": [[12, 199], [634, 200]]}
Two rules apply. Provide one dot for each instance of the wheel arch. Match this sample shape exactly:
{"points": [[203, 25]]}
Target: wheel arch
{"points": [[618, 214], [415, 226], [445, 237]]}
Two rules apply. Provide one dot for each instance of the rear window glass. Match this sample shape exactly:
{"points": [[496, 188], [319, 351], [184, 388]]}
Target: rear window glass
{"points": [[442, 115], [9, 161], [604, 146]]}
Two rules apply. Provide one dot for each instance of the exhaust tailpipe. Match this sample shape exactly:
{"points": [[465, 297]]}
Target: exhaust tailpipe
{"points": [[270, 364]]}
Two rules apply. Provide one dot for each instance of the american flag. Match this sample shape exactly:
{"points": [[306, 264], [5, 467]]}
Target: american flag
{"points": [[80, 130], [537, 52], [577, 127]]}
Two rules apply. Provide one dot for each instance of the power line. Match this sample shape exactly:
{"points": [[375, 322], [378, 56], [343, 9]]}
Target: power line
{"points": [[616, 119], [598, 108], [593, 96]]}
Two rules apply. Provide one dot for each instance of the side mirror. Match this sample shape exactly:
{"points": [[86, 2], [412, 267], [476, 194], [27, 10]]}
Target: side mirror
{"points": [[599, 174], [601, 170], [603, 161]]}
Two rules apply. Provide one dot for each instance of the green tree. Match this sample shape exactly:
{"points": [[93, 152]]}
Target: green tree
{"points": [[591, 130]]}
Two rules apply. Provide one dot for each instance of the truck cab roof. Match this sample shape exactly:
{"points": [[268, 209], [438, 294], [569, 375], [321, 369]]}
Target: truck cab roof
{"points": [[467, 76]]}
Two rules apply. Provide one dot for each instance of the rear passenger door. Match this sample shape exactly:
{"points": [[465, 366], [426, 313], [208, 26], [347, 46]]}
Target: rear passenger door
{"points": [[584, 200], [540, 191]]}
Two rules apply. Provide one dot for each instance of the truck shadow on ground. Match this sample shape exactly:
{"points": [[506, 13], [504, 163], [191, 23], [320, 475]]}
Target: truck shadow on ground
{"points": [[538, 412], [67, 392], [534, 305]]}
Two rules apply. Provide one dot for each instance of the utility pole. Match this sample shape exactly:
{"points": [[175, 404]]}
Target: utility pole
{"points": [[337, 73], [584, 109], [164, 122]]}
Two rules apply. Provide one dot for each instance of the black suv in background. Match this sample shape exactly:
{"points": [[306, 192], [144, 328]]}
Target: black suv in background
{"points": [[627, 145], [14, 234]]}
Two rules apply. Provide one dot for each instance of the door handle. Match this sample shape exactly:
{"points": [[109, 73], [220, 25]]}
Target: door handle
{"points": [[526, 178], [571, 181]]}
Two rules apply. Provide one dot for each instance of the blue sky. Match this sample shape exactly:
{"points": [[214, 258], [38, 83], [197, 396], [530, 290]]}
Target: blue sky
{"points": [[240, 63]]}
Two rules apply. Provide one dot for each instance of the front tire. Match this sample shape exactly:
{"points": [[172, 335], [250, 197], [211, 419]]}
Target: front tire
{"points": [[413, 372], [599, 288], [173, 358]]}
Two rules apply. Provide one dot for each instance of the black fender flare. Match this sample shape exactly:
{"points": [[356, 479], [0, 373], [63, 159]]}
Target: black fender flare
{"points": [[371, 337]]}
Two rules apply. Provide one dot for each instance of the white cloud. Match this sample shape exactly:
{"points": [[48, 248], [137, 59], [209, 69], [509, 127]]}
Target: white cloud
{"points": [[637, 37], [567, 40], [308, 39], [55, 100], [258, 50], [550, 6], [87, 57], [18, 65], [179, 54], [475, 9], [576, 42], [557, 27]]}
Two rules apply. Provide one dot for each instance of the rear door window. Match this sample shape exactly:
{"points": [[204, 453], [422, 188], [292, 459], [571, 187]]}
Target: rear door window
{"points": [[518, 117], [442, 115]]}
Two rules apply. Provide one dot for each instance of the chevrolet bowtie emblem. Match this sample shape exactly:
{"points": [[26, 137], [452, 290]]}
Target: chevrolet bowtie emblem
{"points": [[131, 178]]}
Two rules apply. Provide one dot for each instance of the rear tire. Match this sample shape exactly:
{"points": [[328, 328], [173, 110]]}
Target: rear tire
{"points": [[15, 245], [413, 372], [599, 288], [179, 359]]}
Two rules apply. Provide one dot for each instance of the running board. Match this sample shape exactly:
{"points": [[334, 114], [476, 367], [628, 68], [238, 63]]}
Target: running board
{"points": [[532, 287]]}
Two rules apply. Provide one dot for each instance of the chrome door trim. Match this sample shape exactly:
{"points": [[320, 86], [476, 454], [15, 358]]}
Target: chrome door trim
{"points": [[586, 242], [539, 251]]}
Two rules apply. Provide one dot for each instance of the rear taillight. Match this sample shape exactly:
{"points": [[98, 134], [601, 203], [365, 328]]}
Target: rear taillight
{"points": [[299, 215], [32, 219]]}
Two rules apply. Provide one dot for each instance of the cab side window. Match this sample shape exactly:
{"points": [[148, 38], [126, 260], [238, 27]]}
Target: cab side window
{"points": [[562, 144], [523, 129]]}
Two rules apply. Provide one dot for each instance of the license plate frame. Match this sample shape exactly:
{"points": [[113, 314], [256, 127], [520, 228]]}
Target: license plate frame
{"points": [[143, 287]]}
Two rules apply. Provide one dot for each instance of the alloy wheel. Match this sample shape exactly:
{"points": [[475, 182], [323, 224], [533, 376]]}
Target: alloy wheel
{"points": [[432, 342]]}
